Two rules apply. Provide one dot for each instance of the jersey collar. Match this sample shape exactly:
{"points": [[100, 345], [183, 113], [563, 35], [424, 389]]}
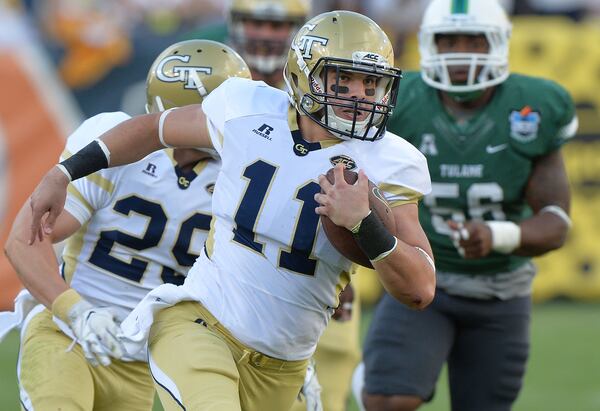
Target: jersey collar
{"points": [[301, 147], [185, 178]]}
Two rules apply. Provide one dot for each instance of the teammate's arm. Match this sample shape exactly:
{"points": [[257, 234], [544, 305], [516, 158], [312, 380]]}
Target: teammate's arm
{"points": [[547, 193], [36, 265], [126, 143]]}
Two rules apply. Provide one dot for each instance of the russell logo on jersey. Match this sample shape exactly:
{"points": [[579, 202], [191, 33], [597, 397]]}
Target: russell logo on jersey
{"points": [[264, 131], [150, 170]]}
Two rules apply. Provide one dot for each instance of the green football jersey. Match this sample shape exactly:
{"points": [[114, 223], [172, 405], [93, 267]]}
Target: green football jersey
{"points": [[480, 167]]}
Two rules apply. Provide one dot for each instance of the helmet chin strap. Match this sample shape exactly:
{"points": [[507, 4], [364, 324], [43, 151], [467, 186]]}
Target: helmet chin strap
{"points": [[339, 123]]}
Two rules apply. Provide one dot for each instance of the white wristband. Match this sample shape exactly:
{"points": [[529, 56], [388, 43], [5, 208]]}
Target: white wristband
{"points": [[506, 236], [557, 211], [161, 125], [105, 150]]}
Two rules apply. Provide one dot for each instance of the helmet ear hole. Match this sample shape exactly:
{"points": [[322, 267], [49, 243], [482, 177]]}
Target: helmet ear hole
{"points": [[295, 79]]}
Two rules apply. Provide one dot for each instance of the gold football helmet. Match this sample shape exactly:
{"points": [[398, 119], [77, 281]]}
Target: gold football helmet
{"points": [[185, 72], [343, 42], [265, 54]]}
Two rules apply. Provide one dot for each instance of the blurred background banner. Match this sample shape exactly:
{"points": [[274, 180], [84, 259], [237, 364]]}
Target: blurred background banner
{"points": [[65, 60], [36, 112]]}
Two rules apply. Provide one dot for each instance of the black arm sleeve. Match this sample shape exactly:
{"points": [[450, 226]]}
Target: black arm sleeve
{"points": [[86, 161]]}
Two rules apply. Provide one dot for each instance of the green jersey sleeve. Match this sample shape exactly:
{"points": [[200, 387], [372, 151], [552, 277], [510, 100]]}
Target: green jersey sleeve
{"points": [[542, 114]]}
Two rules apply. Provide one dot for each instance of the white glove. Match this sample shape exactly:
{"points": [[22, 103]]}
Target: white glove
{"points": [[96, 332], [94, 328], [311, 390]]}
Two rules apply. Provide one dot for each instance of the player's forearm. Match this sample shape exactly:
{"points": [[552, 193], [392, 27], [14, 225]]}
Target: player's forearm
{"points": [[548, 195], [126, 143], [407, 275], [35, 264], [542, 233], [133, 139]]}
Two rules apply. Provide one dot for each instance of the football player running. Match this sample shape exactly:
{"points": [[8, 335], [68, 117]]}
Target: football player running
{"points": [[251, 310], [129, 230], [500, 195], [261, 31]]}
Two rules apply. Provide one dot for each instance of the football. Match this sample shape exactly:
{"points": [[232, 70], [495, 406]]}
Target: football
{"points": [[340, 237]]}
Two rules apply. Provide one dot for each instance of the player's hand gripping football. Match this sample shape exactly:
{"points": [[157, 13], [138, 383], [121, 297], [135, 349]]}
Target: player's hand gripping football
{"points": [[96, 331], [472, 239], [47, 202], [345, 204]]}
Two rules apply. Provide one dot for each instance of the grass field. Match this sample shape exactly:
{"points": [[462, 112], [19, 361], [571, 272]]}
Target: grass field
{"points": [[563, 372], [564, 364]]}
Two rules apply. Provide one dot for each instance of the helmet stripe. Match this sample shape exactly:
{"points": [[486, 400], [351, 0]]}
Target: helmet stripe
{"points": [[460, 6]]}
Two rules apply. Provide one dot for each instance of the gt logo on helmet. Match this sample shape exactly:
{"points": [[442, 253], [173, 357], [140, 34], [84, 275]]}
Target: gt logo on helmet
{"points": [[306, 42], [183, 74]]}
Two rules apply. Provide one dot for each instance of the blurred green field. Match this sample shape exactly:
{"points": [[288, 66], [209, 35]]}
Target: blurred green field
{"points": [[563, 372]]}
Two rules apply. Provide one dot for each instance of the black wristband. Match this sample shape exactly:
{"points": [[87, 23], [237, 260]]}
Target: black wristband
{"points": [[86, 161], [373, 238]]}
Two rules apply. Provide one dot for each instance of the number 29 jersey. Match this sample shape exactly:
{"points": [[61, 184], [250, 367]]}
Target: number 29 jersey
{"points": [[143, 224], [270, 275]]}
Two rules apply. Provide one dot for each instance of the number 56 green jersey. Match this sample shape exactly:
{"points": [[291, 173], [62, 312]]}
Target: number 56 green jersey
{"points": [[480, 167]]}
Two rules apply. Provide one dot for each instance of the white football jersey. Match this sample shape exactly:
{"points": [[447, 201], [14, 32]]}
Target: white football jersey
{"points": [[143, 224], [270, 275]]}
